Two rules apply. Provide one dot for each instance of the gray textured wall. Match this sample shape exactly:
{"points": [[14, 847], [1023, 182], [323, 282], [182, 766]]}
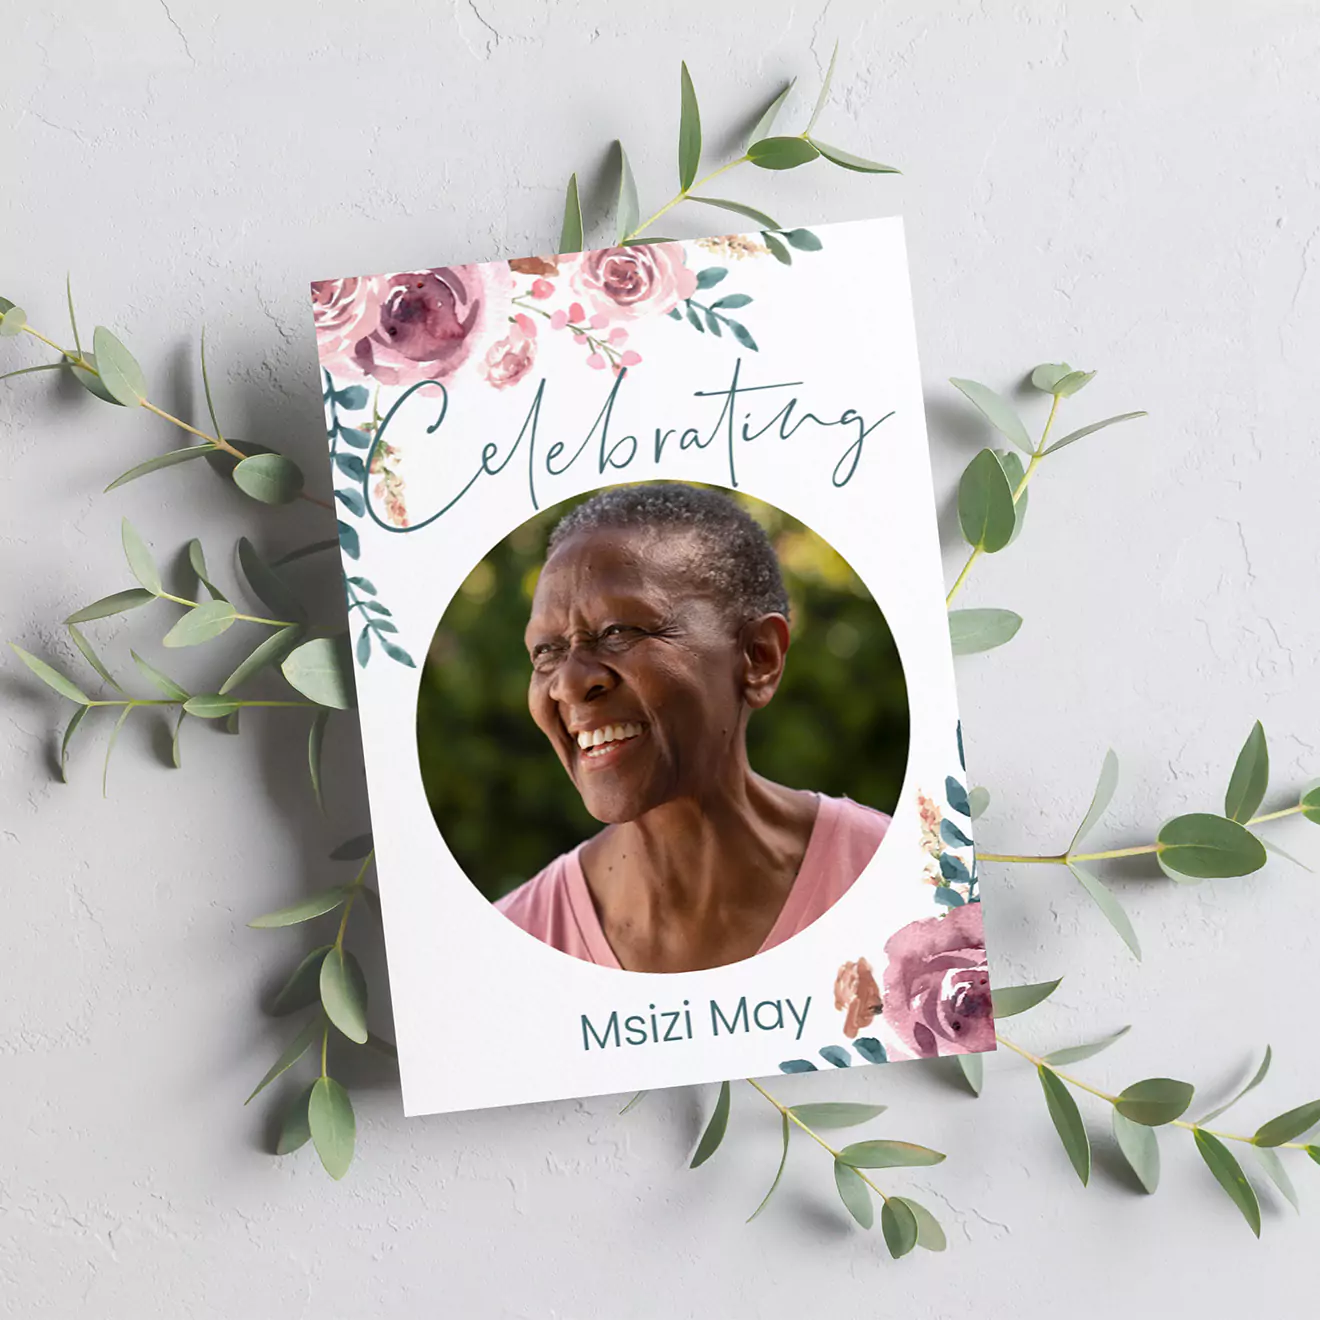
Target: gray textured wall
{"points": [[1130, 186]]}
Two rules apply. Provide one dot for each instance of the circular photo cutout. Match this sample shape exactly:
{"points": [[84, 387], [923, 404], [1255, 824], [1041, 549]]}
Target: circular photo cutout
{"points": [[661, 727]]}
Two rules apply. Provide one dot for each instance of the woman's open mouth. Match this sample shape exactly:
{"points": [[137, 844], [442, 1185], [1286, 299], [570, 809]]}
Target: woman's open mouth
{"points": [[599, 747]]}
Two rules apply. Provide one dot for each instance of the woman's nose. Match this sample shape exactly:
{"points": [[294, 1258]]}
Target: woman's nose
{"points": [[581, 677]]}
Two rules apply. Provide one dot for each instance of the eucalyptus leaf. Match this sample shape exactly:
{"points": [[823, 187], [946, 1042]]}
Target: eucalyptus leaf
{"points": [[201, 624], [849, 161], [352, 850], [779, 1172], [1259, 1076], [777, 250], [210, 706], [972, 1067], [570, 233], [303, 986], [1251, 777], [303, 551], [89, 378], [781, 153], [269, 587], [689, 132], [1288, 1127], [344, 994], [836, 1114], [1010, 1000], [295, 1130], [1200, 846], [304, 910], [1109, 906], [1100, 799], [12, 322], [1015, 471], [899, 1226], [739, 208], [315, 743], [1068, 385], [51, 676], [628, 214], [1155, 1101], [1046, 376], [176, 759], [1269, 1161], [321, 670], [854, 1193], [1310, 802], [270, 478], [761, 129], [978, 801], [118, 603], [197, 562], [70, 729], [171, 459], [333, 1128], [110, 747], [824, 94], [118, 369], [715, 1129], [930, 1236], [269, 652], [1073, 436], [1141, 1148], [296, 1048], [1067, 1122], [882, 1154], [140, 561], [985, 504], [89, 654], [972, 631], [163, 682], [1076, 1053], [997, 411], [1228, 1173], [206, 384], [1287, 856]]}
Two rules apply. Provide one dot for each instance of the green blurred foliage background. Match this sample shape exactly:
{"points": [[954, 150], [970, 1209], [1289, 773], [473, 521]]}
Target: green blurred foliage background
{"points": [[505, 807]]}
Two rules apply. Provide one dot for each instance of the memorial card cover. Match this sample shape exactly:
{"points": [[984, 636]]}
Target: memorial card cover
{"points": [[653, 670]]}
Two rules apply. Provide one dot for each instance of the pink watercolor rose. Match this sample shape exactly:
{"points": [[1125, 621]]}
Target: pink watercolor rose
{"points": [[623, 283], [343, 312], [937, 987], [509, 359]]}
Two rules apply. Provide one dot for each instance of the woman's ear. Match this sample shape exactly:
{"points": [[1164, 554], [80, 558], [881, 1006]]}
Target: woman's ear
{"points": [[765, 648]]}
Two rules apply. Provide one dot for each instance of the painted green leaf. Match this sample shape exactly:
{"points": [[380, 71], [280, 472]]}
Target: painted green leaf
{"points": [[269, 587], [304, 910], [899, 1226], [1269, 1160], [1141, 1148], [344, 994], [689, 131], [1100, 799], [627, 214], [824, 94], [1289, 1126], [270, 478], [836, 1114], [1046, 376], [89, 654], [889, 1155], [269, 652], [120, 374], [322, 671], [739, 208], [731, 301], [140, 561], [1068, 1123], [334, 1131], [210, 706], [972, 631], [1010, 1000], [1073, 436], [1251, 777], [295, 1130], [930, 1236], [850, 161], [163, 682], [1200, 846], [715, 1129], [51, 676], [201, 624], [1310, 802], [172, 459], [1109, 906], [979, 801], [972, 1067], [997, 411], [315, 743], [781, 153], [1155, 1101], [570, 233], [804, 240], [1256, 1080], [985, 504], [854, 1193], [303, 986], [761, 129], [70, 729], [1228, 1173], [118, 603], [296, 1048], [779, 1172], [1076, 1053]]}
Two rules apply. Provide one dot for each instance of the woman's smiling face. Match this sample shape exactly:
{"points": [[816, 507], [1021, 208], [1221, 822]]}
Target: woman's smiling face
{"points": [[637, 670]]}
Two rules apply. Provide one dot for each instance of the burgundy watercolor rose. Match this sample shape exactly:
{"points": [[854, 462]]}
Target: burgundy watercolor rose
{"points": [[623, 283], [343, 312], [509, 359], [936, 986]]}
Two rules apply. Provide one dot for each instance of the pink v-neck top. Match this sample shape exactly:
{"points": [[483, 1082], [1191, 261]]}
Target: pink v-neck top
{"points": [[556, 905]]}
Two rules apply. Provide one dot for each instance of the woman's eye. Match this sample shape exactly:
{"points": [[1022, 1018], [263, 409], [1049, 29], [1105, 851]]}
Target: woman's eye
{"points": [[614, 630]]}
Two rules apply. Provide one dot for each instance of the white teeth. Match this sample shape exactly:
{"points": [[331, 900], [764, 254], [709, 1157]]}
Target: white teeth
{"points": [[589, 739]]}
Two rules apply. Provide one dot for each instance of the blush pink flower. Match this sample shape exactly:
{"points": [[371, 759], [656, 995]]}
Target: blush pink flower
{"points": [[623, 283], [509, 359], [937, 987], [343, 312]]}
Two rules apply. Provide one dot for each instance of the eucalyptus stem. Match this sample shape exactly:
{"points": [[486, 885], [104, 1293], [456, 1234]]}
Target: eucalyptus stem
{"points": [[245, 618], [684, 193], [354, 890], [1038, 1062]]}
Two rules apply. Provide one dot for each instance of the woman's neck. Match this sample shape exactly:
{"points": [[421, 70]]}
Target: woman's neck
{"points": [[699, 882]]}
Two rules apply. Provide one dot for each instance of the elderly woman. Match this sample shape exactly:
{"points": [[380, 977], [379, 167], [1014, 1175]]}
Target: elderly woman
{"points": [[658, 626]]}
